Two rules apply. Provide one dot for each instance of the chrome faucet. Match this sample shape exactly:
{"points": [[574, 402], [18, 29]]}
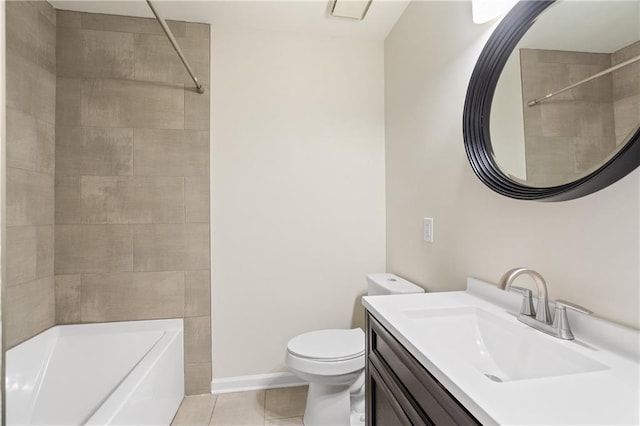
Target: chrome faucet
{"points": [[540, 320], [543, 315]]}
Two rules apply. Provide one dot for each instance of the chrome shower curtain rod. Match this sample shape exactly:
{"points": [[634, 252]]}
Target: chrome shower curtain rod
{"points": [[586, 80], [176, 46]]}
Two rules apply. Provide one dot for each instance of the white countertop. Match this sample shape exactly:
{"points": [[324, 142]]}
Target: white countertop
{"points": [[604, 397]]}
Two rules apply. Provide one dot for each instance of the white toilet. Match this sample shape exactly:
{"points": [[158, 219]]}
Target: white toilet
{"points": [[332, 361]]}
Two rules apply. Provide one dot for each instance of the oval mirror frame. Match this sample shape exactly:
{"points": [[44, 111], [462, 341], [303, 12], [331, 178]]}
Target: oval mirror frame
{"points": [[477, 111]]}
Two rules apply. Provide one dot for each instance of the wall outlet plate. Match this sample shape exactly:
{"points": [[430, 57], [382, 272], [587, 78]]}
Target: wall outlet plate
{"points": [[427, 229]]}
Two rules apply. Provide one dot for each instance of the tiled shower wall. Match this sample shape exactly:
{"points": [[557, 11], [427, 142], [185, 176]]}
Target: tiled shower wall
{"points": [[582, 126], [575, 128], [31, 103], [132, 178]]}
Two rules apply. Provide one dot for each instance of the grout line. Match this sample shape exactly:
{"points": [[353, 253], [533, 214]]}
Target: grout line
{"points": [[215, 403], [264, 407], [80, 297], [184, 294], [133, 248], [133, 152]]}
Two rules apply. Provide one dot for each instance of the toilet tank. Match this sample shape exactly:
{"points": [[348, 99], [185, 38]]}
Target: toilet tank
{"points": [[390, 284]]}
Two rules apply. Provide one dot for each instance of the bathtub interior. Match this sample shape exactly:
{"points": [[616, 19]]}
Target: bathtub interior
{"points": [[64, 375]]}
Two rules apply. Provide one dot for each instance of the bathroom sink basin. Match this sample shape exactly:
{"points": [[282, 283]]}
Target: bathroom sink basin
{"points": [[499, 349]]}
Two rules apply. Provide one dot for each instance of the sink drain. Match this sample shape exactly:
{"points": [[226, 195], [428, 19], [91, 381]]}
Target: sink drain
{"points": [[494, 378]]}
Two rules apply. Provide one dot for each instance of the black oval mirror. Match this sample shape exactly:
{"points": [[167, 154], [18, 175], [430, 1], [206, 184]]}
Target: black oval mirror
{"points": [[553, 106]]}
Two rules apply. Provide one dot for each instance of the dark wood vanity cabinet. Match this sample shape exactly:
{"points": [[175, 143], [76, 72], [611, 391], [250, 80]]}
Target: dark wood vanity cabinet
{"points": [[400, 391]]}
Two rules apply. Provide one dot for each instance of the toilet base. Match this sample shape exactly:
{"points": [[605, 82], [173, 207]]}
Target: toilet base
{"points": [[357, 419], [330, 405]]}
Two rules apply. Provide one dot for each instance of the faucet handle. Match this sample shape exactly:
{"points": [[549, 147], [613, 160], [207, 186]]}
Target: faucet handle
{"points": [[527, 302], [562, 304], [560, 320]]}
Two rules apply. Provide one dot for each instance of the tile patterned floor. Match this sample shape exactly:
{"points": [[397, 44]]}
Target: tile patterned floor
{"points": [[273, 407]]}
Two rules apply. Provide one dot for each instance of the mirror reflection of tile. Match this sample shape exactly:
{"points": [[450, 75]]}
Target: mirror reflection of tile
{"points": [[573, 133]]}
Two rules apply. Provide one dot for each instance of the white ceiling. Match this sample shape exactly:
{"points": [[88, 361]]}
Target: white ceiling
{"points": [[307, 16]]}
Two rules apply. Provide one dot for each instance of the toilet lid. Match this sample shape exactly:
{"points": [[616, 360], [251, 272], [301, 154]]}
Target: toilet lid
{"points": [[328, 345]]}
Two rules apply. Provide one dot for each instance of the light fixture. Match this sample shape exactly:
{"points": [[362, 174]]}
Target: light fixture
{"points": [[487, 10], [353, 9]]}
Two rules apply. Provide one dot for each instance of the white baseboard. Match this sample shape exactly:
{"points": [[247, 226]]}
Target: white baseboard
{"points": [[255, 382]]}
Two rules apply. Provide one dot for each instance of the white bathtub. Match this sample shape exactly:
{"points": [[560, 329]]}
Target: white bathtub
{"points": [[120, 373]]}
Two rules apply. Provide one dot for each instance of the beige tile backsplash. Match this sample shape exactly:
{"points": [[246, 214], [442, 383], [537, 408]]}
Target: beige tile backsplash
{"points": [[107, 176]]}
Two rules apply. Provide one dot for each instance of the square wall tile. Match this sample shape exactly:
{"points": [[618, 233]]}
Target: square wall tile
{"points": [[196, 108], [171, 152], [67, 299], [196, 199], [44, 96], [93, 248], [94, 151], [132, 296], [21, 254], [197, 378], [171, 247], [22, 140], [68, 95], [46, 43], [127, 24], [197, 339], [198, 30], [46, 147], [68, 19], [113, 199], [44, 250], [29, 310], [67, 200], [22, 29], [30, 198], [156, 60], [197, 293], [124, 103], [94, 54], [46, 10]]}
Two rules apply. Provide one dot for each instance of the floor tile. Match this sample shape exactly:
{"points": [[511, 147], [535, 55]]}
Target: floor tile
{"points": [[195, 411], [285, 402], [239, 409], [291, 421]]}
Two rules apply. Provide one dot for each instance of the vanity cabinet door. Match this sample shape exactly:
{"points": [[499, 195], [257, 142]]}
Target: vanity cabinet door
{"points": [[386, 410], [422, 398]]}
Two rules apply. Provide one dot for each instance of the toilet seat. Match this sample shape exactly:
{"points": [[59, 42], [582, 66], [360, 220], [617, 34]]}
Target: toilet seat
{"points": [[327, 352], [328, 345]]}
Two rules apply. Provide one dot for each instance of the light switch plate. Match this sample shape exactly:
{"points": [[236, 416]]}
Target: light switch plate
{"points": [[427, 229]]}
